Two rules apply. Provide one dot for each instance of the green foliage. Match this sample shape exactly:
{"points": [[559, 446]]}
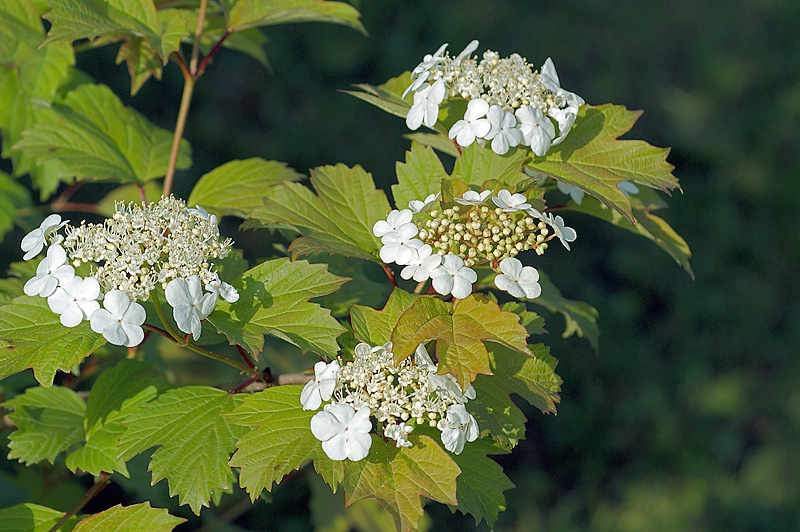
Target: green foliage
{"points": [[12, 196], [280, 442], [398, 478], [338, 219], [48, 420], [273, 299], [375, 326], [459, 330], [31, 336], [195, 441], [242, 14], [32, 518], [478, 165], [419, 176], [79, 136], [136, 517], [581, 318], [238, 187]]}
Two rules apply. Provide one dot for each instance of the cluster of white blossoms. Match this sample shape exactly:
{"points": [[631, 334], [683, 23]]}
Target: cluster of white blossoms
{"points": [[444, 245], [128, 255], [400, 397], [509, 102]]}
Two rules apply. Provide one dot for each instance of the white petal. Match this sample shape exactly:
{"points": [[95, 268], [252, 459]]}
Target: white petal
{"points": [[325, 425], [358, 446]]}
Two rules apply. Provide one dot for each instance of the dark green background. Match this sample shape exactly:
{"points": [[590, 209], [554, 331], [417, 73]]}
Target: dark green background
{"points": [[688, 418]]}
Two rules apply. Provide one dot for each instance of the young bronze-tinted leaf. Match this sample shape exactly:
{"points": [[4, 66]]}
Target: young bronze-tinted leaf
{"points": [[30, 517], [48, 421], [338, 219], [238, 187], [78, 134], [477, 165], [139, 517], [280, 442], [459, 330], [196, 441], [481, 484], [243, 14], [592, 159], [119, 392], [419, 176], [273, 299], [375, 326], [398, 478], [581, 318], [647, 225], [31, 336]]}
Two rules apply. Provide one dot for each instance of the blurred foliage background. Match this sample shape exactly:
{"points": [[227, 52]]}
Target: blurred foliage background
{"points": [[689, 417]]}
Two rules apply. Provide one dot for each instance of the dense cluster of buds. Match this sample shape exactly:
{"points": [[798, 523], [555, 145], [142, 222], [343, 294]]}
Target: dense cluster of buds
{"points": [[444, 245], [399, 396], [509, 102], [140, 247]]}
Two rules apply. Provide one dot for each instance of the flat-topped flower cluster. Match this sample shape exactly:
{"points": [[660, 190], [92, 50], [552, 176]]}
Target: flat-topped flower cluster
{"points": [[509, 102], [443, 245], [128, 255], [399, 396]]}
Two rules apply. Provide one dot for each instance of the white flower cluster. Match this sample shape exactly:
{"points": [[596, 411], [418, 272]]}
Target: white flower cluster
{"points": [[509, 103], [400, 397], [140, 246], [444, 245]]}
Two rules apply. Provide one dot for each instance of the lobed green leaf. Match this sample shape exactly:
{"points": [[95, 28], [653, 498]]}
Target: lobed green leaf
{"points": [[12, 196], [419, 176], [581, 318], [242, 14], [375, 326], [31, 517], [139, 517]]}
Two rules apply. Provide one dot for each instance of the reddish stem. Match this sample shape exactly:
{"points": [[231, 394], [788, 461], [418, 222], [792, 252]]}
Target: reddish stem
{"points": [[245, 356], [389, 274], [214, 50]]}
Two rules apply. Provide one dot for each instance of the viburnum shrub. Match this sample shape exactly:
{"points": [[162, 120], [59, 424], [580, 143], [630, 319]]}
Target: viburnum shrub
{"points": [[404, 401]]}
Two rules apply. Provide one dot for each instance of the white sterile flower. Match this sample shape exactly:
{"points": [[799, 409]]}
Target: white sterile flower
{"points": [[473, 198], [452, 277], [510, 202], [76, 300], [223, 289], [518, 280], [50, 273], [392, 222], [120, 321], [549, 76], [573, 192], [628, 188], [397, 245], [473, 125], [458, 428], [399, 433], [537, 130], [321, 386], [504, 132], [418, 206], [471, 47], [420, 73], [425, 109], [189, 304], [33, 242], [343, 431], [422, 264], [203, 214], [564, 233], [536, 214], [565, 116]]}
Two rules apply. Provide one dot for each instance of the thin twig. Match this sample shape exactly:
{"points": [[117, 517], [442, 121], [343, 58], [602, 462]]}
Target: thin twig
{"points": [[142, 195], [198, 32], [389, 274], [419, 287], [163, 318], [99, 484], [245, 356], [211, 53], [180, 125]]}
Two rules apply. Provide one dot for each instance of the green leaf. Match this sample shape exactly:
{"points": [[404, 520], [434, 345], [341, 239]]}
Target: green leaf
{"points": [[338, 219], [31, 336], [48, 420], [12, 196], [398, 478], [481, 484], [592, 159], [30, 517], [118, 393], [375, 326], [419, 176], [238, 187], [459, 330], [581, 318], [532, 322], [647, 225], [273, 299], [387, 96], [79, 135], [139, 517], [18, 275], [477, 165], [436, 141], [243, 14], [281, 442], [195, 440], [367, 285], [86, 19]]}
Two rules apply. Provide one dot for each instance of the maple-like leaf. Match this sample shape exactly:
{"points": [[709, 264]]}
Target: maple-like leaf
{"points": [[375, 326], [139, 517]]}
